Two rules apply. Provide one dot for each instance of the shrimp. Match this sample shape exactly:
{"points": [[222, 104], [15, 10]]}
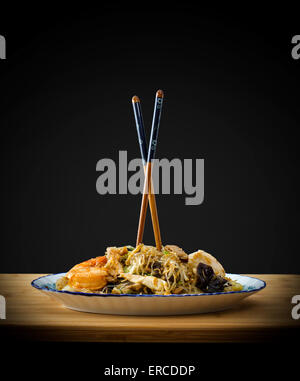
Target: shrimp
{"points": [[89, 275], [203, 257], [93, 262]]}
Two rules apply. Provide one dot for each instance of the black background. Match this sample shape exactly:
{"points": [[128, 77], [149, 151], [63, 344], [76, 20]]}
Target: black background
{"points": [[232, 98]]}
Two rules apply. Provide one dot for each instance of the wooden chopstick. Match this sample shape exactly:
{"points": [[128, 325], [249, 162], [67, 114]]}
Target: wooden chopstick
{"points": [[151, 195], [148, 187]]}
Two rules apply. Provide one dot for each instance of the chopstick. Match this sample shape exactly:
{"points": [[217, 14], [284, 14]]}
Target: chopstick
{"points": [[148, 188], [136, 104]]}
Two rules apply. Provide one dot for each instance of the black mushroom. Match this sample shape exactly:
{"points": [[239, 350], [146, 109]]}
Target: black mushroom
{"points": [[217, 284], [204, 275], [157, 268], [207, 281]]}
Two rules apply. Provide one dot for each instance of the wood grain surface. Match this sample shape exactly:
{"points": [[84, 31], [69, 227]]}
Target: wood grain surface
{"points": [[264, 316]]}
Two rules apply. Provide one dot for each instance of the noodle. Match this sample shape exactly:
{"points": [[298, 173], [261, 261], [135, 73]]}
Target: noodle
{"points": [[146, 270]]}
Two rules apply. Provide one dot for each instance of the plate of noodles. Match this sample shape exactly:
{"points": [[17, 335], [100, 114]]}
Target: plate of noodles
{"points": [[147, 280], [143, 280]]}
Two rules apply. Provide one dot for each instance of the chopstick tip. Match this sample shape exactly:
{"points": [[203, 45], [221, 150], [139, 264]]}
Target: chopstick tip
{"points": [[135, 99], [160, 94]]}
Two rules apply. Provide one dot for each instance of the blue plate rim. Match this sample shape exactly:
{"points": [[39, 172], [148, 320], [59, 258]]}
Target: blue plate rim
{"points": [[33, 284]]}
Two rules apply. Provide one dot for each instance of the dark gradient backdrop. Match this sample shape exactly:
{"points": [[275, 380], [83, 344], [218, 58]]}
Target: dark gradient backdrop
{"points": [[232, 98]]}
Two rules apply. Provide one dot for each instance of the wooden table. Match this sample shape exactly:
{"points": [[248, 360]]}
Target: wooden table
{"points": [[261, 317]]}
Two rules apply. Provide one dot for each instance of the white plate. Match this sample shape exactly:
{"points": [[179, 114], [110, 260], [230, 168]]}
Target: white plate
{"points": [[128, 304]]}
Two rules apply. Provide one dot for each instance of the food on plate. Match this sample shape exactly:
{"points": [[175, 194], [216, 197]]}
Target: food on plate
{"points": [[145, 270]]}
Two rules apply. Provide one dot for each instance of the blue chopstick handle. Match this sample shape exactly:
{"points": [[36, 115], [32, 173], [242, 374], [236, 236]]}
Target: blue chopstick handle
{"points": [[140, 130], [155, 128]]}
